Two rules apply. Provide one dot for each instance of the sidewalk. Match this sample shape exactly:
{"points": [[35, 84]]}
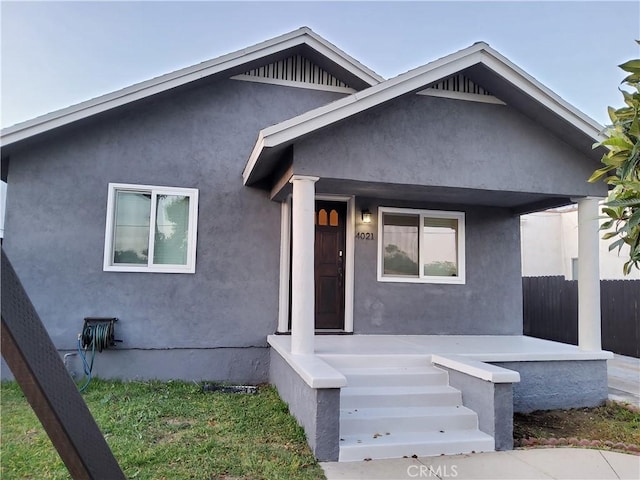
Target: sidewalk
{"points": [[544, 463], [624, 379]]}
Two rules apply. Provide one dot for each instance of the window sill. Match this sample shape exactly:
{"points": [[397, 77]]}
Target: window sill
{"points": [[434, 280], [132, 269]]}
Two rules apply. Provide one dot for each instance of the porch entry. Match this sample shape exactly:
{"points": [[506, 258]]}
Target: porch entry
{"points": [[329, 265]]}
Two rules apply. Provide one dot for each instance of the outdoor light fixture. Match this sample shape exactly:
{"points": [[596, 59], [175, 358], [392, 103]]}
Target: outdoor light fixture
{"points": [[366, 216]]}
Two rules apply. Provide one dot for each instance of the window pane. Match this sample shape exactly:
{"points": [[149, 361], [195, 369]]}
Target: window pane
{"points": [[333, 218], [400, 242], [322, 217], [440, 247], [131, 233], [172, 230]]}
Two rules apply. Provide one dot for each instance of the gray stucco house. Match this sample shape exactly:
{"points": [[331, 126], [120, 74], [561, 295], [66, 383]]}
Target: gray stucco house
{"points": [[228, 212]]}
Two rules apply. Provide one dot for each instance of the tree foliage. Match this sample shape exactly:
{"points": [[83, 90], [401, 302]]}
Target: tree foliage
{"points": [[622, 170]]}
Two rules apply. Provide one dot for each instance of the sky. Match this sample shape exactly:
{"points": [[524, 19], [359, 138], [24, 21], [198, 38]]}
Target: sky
{"points": [[56, 54]]}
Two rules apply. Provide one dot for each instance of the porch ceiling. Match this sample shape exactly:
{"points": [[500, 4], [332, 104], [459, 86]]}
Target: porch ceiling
{"points": [[518, 202]]}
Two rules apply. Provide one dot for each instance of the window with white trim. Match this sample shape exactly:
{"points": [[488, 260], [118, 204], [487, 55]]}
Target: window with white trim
{"points": [[421, 246], [151, 229]]}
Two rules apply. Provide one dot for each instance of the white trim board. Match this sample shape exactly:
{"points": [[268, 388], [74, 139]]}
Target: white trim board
{"points": [[285, 265], [470, 97], [291, 83]]}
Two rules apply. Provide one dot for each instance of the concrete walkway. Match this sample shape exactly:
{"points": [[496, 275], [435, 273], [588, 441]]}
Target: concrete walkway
{"points": [[545, 463], [624, 379]]}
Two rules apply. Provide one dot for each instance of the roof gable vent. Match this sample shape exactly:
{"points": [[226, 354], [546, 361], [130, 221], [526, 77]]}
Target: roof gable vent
{"points": [[296, 71], [460, 87]]}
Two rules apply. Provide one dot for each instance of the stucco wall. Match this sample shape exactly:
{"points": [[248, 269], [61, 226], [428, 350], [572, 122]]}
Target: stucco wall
{"points": [[492, 402], [558, 384], [199, 138], [435, 141], [489, 303]]}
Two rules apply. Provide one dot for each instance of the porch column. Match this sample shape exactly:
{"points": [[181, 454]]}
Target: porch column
{"points": [[589, 330], [302, 264]]}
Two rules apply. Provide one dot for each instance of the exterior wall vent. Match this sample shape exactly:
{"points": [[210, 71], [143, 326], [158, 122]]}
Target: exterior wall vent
{"points": [[461, 88], [460, 83], [296, 71]]}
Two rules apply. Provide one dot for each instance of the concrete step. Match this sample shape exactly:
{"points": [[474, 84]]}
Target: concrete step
{"points": [[453, 442], [340, 361], [412, 396], [408, 419], [401, 405], [395, 376]]}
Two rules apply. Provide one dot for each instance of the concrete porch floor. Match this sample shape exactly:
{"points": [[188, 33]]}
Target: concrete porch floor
{"points": [[493, 348]]}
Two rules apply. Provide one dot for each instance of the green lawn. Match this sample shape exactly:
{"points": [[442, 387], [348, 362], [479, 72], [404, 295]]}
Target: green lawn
{"points": [[169, 430]]}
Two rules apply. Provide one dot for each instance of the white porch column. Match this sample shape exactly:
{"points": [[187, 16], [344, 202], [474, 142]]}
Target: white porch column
{"points": [[302, 264], [589, 331]]}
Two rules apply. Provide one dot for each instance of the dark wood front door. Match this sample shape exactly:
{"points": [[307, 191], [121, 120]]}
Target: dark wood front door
{"points": [[329, 264]]}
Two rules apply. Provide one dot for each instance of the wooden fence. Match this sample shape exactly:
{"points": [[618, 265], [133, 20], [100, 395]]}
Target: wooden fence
{"points": [[551, 312]]}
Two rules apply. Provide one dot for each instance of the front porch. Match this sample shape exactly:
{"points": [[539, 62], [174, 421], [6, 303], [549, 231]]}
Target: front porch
{"points": [[392, 378], [423, 262]]}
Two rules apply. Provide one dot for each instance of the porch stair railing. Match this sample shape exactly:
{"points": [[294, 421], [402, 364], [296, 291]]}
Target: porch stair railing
{"points": [[401, 405]]}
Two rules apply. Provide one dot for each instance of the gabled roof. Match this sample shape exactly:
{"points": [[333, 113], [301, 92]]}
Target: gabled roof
{"points": [[479, 62], [326, 55]]}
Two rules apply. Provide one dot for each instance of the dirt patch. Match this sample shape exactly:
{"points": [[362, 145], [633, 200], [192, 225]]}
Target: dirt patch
{"points": [[177, 428], [180, 422], [613, 425]]}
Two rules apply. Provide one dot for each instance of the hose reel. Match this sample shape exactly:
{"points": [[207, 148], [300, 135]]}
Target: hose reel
{"points": [[97, 334]]}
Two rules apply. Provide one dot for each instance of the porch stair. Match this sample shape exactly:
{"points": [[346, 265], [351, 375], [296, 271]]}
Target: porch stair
{"points": [[401, 405]]}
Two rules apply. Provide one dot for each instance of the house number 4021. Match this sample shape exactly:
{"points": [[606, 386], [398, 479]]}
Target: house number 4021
{"points": [[365, 236]]}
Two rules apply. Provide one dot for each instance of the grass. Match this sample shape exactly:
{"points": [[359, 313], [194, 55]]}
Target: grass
{"points": [[170, 430], [611, 422], [173, 430]]}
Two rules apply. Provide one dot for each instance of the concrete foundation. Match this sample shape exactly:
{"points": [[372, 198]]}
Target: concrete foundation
{"points": [[236, 365]]}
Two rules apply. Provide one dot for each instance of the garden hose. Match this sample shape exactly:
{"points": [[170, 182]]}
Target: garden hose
{"points": [[85, 365]]}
